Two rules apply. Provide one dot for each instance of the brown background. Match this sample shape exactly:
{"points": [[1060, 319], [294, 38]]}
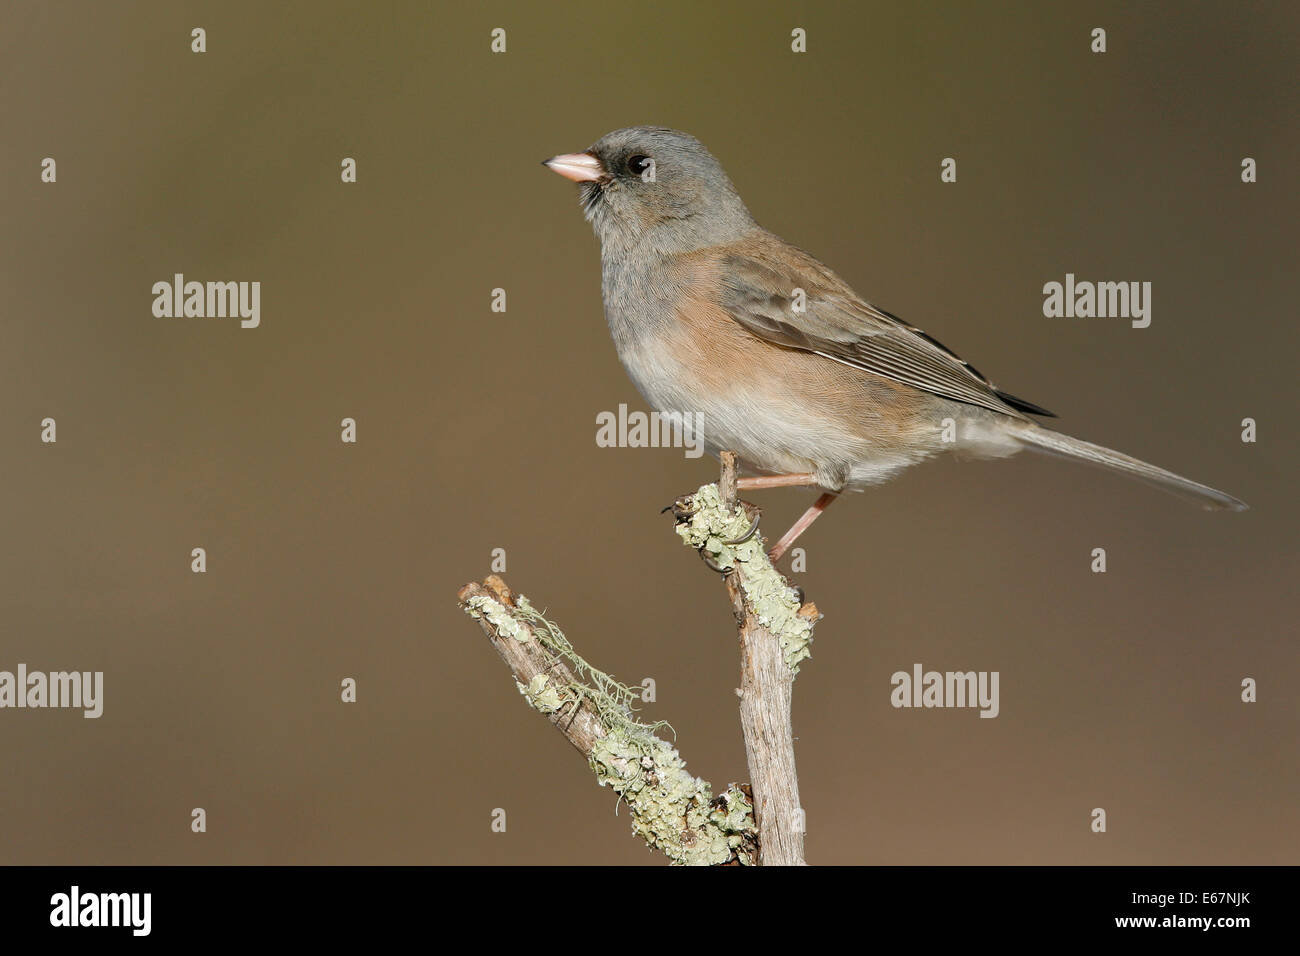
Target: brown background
{"points": [[477, 429]]}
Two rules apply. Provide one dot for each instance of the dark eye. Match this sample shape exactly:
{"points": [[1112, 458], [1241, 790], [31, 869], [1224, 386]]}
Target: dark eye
{"points": [[637, 164]]}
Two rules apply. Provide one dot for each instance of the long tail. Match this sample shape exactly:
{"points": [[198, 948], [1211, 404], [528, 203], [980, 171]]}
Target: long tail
{"points": [[1055, 443]]}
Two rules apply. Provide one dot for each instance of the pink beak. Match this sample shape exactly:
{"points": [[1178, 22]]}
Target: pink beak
{"points": [[579, 167]]}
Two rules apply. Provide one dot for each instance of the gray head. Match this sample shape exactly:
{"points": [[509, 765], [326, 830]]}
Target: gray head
{"points": [[648, 187]]}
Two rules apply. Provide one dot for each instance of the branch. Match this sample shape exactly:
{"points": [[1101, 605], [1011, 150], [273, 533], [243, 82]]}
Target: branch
{"points": [[775, 628], [672, 810]]}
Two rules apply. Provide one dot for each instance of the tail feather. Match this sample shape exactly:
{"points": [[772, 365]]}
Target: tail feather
{"points": [[1055, 443]]}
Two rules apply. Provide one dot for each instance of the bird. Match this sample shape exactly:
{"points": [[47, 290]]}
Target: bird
{"points": [[779, 361]]}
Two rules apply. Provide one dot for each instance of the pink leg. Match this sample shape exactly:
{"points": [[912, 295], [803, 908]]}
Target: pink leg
{"points": [[800, 479], [800, 526]]}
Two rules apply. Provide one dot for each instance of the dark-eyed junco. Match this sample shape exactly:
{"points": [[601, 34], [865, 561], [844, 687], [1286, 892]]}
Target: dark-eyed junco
{"points": [[778, 358]]}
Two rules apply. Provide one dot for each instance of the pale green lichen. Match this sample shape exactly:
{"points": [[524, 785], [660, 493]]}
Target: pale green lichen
{"points": [[775, 604], [541, 694], [499, 616], [672, 810]]}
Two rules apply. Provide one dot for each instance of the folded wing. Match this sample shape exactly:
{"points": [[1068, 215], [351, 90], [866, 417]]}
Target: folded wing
{"points": [[787, 297]]}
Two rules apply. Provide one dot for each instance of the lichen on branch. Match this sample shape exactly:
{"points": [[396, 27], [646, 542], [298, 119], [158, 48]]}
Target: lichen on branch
{"points": [[706, 524], [672, 810]]}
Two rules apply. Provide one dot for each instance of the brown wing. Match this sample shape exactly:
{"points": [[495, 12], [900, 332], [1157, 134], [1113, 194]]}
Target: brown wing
{"points": [[759, 282]]}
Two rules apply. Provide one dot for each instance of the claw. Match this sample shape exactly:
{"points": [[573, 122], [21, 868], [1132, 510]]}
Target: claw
{"points": [[753, 529], [682, 508], [712, 566]]}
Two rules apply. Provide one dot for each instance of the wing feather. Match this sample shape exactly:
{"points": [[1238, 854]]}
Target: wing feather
{"points": [[760, 289]]}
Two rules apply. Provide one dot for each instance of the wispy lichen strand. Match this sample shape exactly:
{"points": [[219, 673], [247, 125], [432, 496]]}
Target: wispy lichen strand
{"points": [[672, 810]]}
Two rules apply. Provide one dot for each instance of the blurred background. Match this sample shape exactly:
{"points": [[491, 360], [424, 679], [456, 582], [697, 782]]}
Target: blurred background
{"points": [[476, 430]]}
